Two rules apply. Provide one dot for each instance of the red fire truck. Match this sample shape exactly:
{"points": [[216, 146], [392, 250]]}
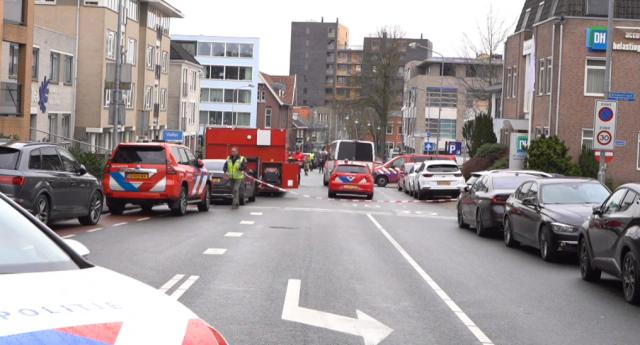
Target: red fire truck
{"points": [[266, 152]]}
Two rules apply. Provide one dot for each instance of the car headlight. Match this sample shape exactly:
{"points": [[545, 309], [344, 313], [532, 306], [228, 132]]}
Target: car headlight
{"points": [[563, 228]]}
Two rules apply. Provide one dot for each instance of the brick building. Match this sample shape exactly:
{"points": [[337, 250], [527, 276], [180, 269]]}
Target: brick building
{"points": [[276, 95], [552, 79]]}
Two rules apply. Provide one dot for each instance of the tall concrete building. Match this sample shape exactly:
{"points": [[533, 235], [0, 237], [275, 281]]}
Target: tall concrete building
{"points": [[16, 31], [313, 60], [145, 74]]}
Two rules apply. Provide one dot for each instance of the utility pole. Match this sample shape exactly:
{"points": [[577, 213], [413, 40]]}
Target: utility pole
{"points": [[116, 99], [602, 173]]}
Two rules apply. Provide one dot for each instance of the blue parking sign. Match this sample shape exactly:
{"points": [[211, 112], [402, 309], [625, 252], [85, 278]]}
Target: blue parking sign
{"points": [[454, 148]]}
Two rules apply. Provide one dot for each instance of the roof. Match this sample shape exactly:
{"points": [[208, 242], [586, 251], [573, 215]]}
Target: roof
{"points": [[165, 7], [633, 186], [177, 52], [286, 83], [625, 9], [458, 61], [300, 124], [565, 180]]}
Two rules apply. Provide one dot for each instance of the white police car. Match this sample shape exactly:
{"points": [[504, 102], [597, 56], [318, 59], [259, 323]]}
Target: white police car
{"points": [[52, 295]]}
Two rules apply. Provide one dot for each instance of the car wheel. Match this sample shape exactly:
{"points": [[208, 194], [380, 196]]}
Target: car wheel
{"points": [[461, 223], [179, 207], [508, 234], [370, 197], [116, 207], [545, 242], [382, 181], [331, 195], [42, 208], [587, 272], [205, 204], [95, 210], [481, 229], [630, 279]]}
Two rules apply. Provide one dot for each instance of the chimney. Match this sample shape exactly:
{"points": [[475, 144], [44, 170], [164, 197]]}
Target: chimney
{"points": [[321, 19], [337, 20], [421, 36]]}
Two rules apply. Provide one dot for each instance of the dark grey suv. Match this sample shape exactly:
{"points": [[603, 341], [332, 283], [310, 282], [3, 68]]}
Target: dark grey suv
{"points": [[48, 181]]}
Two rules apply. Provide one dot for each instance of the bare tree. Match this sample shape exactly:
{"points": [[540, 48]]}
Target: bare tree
{"points": [[485, 49], [381, 88]]}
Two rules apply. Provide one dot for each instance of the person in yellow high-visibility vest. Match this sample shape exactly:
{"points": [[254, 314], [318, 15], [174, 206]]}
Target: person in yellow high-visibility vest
{"points": [[234, 168]]}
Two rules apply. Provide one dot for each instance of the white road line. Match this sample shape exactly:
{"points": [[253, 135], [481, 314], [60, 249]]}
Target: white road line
{"points": [[69, 236], [307, 196], [173, 281], [215, 251], [471, 326], [318, 198], [119, 224], [94, 230], [256, 213], [143, 219], [247, 222], [184, 287], [233, 234]]}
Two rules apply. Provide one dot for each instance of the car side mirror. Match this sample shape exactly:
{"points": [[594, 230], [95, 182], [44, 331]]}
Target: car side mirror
{"points": [[467, 188], [597, 210], [78, 248], [200, 163], [82, 170]]}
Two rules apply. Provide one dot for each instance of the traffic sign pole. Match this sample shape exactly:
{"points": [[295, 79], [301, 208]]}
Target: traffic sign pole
{"points": [[602, 172]]}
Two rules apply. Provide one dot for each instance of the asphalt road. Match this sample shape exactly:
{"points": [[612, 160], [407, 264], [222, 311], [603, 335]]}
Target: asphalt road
{"points": [[404, 264]]}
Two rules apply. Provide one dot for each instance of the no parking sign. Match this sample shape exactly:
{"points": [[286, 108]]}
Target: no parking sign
{"points": [[604, 127]]}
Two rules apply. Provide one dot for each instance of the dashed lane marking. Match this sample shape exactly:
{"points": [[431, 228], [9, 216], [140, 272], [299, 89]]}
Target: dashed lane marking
{"points": [[256, 213], [464, 318], [95, 230], [233, 234], [173, 281], [247, 222], [143, 219], [215, 251], [69, 236], [184, 287], [119, 224]]}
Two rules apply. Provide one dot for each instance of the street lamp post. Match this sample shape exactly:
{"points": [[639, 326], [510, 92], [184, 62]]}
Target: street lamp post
{"points": [[415, 45]]}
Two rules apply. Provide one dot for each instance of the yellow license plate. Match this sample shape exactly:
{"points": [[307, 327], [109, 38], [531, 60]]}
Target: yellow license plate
{"points": [[137, 176], [216, 180], [444, 183], [351, 187]]}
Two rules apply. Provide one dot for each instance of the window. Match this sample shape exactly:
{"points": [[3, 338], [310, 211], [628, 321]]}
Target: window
{"points": [[14, 54], [66, 126], [389, 129], [53, 126], [204, 48], [539, 12], [261, 96], [541, 77], [229, 96], [246, 50], [163, 99], [215, 72], [233, 50], [50, 159], [150, 56], [244, 96], [445, 97], [508, 83], [243, 119], [246, 73], [165, 61], [231, 73], [587, 137], [131, 51], [525, 19], [107, 97], [110, 45], [267, 117], [615, 202], [514, 83], [129, 96], [147, 97], [628, 201], [549, 75], [594, 77], [35, 162], [69, 163], [216, 95], [218, 49], [35, 66], [68, 69], [54, 74], [447, 127]]}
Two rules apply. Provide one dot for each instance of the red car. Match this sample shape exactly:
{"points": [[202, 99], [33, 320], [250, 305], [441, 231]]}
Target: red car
{"points": [[352, 179], [148, 174]]}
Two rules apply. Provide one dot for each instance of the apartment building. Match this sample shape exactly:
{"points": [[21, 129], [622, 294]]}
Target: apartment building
{"points": [[555, 70], [314, 50], [185, 73], [15, 67], [276, 95], [145, 76], [348, 68], [439, 98], [229, 90]]}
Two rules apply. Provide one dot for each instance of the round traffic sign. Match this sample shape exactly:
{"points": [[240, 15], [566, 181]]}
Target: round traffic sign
{"points": [[604, 138], [605, 114]]}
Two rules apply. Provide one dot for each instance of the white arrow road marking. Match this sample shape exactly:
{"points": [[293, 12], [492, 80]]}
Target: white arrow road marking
{"points": [[471, 326], [370, 329]]}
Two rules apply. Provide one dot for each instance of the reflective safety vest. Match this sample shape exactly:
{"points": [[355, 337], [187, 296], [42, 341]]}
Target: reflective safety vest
{"points": [[233, 169]]}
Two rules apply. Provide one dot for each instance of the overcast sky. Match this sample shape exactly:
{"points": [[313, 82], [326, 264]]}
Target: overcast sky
{"points": [[442, 21]]}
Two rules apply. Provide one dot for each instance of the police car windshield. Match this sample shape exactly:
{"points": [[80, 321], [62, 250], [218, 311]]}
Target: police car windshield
{"points": [[140, 155], [352, 169], [25, 249]]}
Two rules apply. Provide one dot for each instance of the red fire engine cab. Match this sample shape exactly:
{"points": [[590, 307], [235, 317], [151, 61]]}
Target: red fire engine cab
{"points": [[266, 152]]}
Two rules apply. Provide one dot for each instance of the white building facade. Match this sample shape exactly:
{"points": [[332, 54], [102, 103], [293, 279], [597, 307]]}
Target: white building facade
{"points": [[229, 88]]}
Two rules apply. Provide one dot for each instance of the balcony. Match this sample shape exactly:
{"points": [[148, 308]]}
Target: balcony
{"points": [[10, 98], [13, 11]]}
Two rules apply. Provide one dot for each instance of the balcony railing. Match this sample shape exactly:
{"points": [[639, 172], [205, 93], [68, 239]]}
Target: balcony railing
{"points": [[13, 11], [10, 98]]}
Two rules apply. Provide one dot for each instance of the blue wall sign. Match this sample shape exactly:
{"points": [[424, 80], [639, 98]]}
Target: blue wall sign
{"points": [[429, 147], [454, 148], [597, 38], [622, 96], [172, 136]]}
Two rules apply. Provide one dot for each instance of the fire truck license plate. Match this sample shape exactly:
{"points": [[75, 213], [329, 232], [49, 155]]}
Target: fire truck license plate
{"points": [[137, 176], [351, 187]]}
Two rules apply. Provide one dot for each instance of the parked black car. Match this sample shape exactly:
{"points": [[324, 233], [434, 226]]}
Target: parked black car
{"points": [[221, 188], [482, 204], [48, 181], [546, 214], [610, 241]]}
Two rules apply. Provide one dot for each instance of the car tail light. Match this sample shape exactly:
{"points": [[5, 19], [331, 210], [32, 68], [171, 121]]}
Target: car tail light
{"points": [[107, 169], [499, 200], [427, 175], [13, 180], [171, 170]]}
